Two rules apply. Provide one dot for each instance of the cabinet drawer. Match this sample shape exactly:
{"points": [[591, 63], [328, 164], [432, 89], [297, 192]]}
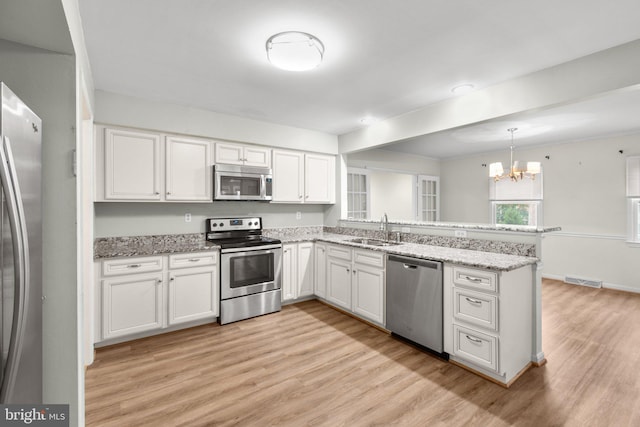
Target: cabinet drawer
{"points": [[478, 279], [372, 258], [116, 267], [476, 308], [195, 259], [475, 347], [341, 252]]}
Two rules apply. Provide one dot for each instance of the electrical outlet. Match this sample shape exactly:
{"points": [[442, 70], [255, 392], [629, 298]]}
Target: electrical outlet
{"points": [[460, 233], [187, 217], [298, 215]]}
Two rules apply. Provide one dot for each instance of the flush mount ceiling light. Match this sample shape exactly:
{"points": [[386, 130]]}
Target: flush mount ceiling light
{"points": [[295, 51], [368, 120], [496, 171]]}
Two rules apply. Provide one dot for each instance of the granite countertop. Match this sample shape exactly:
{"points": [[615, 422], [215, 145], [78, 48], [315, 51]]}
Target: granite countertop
{"points": [[462, 225], [114, 247], [467, 257]]}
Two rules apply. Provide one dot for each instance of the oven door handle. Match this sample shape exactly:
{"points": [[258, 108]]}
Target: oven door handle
{"points": [[251, 249]]}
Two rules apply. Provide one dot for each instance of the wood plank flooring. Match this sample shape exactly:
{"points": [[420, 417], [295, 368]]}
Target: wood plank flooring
{"points": [[310, 365]]}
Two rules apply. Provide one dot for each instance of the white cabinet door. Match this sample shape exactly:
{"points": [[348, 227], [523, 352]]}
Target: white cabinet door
{"points": [[305, 269], [289, 272], [193, 294], [235, 154], [320, 269], [230, 154], [131, 304], [339, 282], [368, 293], [288, 176], [319, 178], [132, 165], [257, 156], [188, 170]]}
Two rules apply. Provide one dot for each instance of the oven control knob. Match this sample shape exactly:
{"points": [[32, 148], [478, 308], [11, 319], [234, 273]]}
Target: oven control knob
{"points": [[250, 223], [214, 224], [221, 224]]}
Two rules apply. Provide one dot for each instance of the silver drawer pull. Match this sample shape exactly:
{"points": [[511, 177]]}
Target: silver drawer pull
{"points": [[473, 301], [476, 340], [473, 279], [134, 265], [194, 259]]}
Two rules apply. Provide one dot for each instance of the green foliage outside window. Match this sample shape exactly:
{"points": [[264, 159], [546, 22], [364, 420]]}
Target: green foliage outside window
{"points": [[516, 214]]}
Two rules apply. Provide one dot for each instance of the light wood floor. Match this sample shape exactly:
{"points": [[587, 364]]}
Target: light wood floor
{"points": [[311, 365]]}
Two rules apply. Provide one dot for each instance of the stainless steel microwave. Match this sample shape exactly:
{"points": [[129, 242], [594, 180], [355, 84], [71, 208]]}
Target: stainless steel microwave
{"points": [[242, 183]]}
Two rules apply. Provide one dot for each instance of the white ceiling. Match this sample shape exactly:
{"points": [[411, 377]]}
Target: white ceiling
{"points": [[383, 58]]}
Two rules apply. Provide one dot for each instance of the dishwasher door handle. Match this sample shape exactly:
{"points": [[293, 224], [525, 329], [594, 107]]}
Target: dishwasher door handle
{"points": [[409, 266]]}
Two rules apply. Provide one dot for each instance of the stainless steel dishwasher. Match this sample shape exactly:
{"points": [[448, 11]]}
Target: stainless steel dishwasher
{"points": [[414, 301]]}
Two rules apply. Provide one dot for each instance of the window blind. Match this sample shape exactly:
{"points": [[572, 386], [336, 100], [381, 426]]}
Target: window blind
{"points": [[633, 176], [524, 189]]}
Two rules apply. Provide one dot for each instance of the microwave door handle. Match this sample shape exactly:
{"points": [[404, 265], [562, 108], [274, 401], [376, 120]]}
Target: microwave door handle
{"points": [[263, 187], [17, 224]]}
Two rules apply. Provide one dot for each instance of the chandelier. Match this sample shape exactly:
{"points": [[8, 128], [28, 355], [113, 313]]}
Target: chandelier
{"points": [[496, 171]]}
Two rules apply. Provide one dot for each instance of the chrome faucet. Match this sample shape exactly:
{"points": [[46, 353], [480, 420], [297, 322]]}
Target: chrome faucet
{"points": [[384, 226]]}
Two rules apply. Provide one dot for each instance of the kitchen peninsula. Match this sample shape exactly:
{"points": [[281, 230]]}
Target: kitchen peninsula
{"points": [[497, 273]]}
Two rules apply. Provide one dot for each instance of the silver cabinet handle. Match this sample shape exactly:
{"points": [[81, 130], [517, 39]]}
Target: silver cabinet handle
{"points": [[159, 282], [355, 271], [157, 193], [348, 270], [409, 266], [172, 279], [168, 193], [194, 259], [300, 196], [476, 340], [18, 226], [473, 279], [134, 265], [473, 301]]}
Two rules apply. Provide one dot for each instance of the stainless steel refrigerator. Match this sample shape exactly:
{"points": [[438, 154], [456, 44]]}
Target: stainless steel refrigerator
{"points": [[20, 252]]}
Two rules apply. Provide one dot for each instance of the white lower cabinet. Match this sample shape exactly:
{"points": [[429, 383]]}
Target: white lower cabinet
{"points": [[131, 304], [193, 293], [320, 269], [355, 281], [297, 270], [144, 294], [487, 319]]}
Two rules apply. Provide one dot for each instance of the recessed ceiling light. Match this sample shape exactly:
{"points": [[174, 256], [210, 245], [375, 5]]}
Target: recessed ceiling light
{"points": [[467, 87], [295, 51], [368, 120]]}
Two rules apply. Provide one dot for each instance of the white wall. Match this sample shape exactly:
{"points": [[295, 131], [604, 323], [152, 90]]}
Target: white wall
{"points": [[138, 219], [124, 110], [584, 193], [46, 82], [392, 193]]}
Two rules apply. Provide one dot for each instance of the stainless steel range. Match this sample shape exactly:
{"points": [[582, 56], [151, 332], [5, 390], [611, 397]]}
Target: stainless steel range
{"points": [[250, 268]]}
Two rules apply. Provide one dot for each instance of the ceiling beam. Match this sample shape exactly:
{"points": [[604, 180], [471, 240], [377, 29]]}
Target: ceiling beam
{"points": [[593, 75]]}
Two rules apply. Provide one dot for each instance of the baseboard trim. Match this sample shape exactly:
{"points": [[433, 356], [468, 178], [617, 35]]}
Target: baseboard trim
{"points": [[605, 285]]}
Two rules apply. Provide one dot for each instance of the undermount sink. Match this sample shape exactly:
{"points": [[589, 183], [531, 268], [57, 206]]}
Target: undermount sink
{"points": [[373, 242]]}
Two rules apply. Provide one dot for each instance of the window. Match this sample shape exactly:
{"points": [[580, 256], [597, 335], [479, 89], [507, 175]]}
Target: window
{"points": [[428, 208], [633, 199], [358, 202], [516, 203]]}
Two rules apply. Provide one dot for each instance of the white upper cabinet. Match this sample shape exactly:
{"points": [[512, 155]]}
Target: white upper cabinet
{"points": [[132, 165], [188, 169], [288, 176], [138, 166], [319, 175], [236, 154], [303, 178]]}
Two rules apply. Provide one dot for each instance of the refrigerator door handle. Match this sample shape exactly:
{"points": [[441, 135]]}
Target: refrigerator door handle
{"points": [[18, 227]]}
